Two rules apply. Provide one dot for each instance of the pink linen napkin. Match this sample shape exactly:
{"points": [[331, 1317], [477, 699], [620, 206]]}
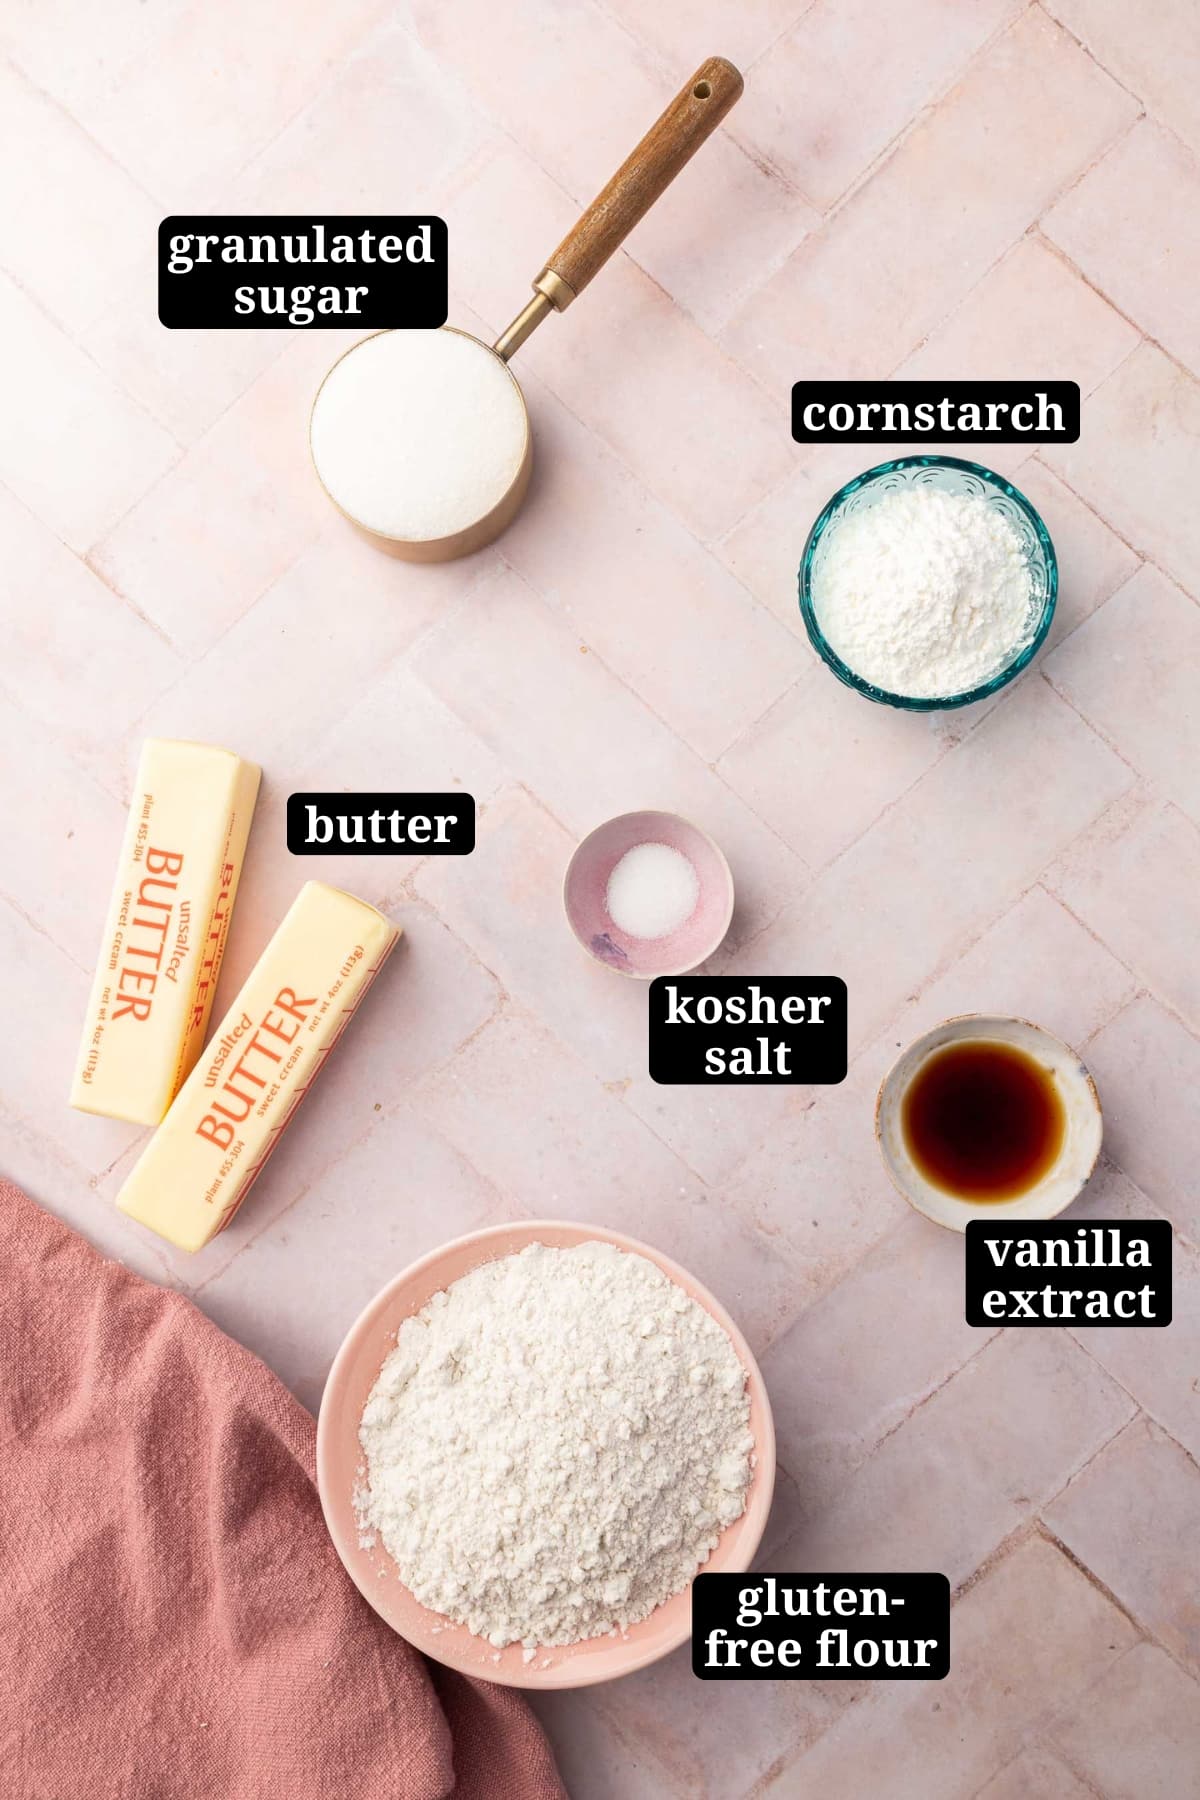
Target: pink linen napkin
{"points": [[174, 1620]]}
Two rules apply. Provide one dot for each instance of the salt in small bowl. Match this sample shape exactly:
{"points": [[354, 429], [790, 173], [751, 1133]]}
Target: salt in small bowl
{"points": [[585, 887]]}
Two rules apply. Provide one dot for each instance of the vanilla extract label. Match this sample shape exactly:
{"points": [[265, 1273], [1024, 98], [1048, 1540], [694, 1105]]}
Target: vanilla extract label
{"points": [[1053, 1272]]}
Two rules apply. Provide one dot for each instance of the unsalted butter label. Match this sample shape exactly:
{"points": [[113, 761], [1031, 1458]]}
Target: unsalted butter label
{"points": [[261, 1061]]}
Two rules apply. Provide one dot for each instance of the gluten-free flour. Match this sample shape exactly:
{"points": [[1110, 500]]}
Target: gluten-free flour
{"points": [[924, 593], [555, 1445]]}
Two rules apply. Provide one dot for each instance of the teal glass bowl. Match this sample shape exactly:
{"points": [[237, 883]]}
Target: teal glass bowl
{"points": [[952, 476]]}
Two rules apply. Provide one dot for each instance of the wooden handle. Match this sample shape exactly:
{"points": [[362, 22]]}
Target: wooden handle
{"points": [[671, 141]]}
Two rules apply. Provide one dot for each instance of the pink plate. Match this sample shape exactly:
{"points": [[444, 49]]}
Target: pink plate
{"points": [[339, 1468], [586, 884]]}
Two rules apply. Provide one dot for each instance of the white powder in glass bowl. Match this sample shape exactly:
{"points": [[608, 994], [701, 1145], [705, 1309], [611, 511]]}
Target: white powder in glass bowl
{"points": [[924, 593], [555, 1445], [418, 434]]}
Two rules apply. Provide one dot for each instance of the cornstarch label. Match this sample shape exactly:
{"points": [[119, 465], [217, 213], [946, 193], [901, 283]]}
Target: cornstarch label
{"points": [[899, 412]]}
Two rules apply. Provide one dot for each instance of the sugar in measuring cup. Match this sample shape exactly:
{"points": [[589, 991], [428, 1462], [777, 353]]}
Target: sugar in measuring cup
{"points": [[422, 438]]}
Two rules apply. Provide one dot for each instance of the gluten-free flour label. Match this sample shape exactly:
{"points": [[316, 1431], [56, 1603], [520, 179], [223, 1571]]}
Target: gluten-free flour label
{"points": [[555, 1445]]}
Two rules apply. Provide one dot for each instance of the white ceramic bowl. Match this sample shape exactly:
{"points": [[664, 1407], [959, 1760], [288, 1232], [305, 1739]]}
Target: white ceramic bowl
{"points": [[340, 1463], [1081, 1139]]}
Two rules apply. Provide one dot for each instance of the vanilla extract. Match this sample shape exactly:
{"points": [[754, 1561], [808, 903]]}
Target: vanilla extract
{"points": [[984, 1121]]}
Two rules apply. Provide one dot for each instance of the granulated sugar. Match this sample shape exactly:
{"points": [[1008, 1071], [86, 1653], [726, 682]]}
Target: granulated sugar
{"points": [[555, 1445], [924, 593], [418, 434], [652, 891]]}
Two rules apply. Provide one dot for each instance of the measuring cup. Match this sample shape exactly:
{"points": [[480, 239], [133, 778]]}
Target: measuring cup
{"points": [[441, 411]]}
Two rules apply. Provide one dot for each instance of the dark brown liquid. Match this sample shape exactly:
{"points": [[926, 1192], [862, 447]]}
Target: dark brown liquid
{"points": [[983, 1121]]}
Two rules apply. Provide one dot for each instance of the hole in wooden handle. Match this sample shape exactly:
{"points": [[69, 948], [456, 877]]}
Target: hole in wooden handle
{"points": [[702, 90]]}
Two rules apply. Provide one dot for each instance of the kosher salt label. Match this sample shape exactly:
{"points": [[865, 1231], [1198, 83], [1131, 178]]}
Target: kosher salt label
{"points": [[726, 1028], [250, 274], [1056, 1272]]}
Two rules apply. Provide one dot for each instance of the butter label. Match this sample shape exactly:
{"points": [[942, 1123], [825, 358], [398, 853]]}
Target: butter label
{"points": [[381, 824]]}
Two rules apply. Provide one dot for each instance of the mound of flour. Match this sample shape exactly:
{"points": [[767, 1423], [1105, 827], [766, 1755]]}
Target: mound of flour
{"points": [[554, 1445], [924, 593]]}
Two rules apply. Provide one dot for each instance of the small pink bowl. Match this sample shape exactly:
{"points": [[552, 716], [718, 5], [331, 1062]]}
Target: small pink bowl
{"points": [[586, 884], [340, 1465]]}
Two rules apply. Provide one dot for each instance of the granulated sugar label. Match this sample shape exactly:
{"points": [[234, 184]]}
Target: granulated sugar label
{"points": [[246, 273]]}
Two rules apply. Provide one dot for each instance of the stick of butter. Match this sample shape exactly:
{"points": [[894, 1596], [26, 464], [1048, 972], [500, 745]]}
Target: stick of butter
{"points": [[165, 934], [259, 1064]]}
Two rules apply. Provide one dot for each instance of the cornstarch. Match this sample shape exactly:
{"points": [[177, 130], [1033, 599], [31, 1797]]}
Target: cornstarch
{"points": [[555, 1445], [924, 593]]}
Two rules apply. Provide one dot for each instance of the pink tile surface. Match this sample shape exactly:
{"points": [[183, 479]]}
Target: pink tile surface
{"points": [[1160, 1760], [1133, 226], [857, 296], [1127, 671], [1141, 431], [1117, 879], [1143, 1060], [75, 448], [1037, 1774], [91, 220], [964, 1470], [1000, 190], [1124, 1517], [909, 1743], [1154, 51], [832, 92]]}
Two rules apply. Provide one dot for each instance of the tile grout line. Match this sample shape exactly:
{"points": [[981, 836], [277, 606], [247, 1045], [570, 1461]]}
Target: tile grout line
{"points": [[1144, 986], [1146, 559], [1089, 53], [911, 125], [1042, 236], [1085, 1569]]}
